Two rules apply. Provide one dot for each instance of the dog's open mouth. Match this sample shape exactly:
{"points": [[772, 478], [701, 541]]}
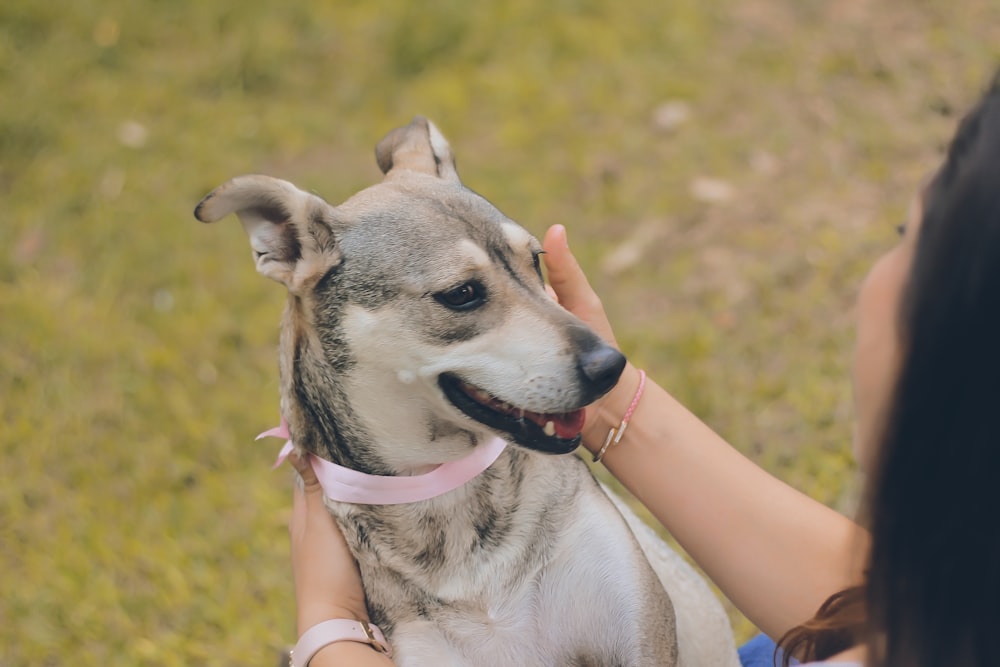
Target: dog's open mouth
{"points": [[551, 433]]}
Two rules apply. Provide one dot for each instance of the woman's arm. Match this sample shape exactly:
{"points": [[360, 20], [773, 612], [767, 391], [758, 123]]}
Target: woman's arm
{"points": [[775, 552], [327, 581]]}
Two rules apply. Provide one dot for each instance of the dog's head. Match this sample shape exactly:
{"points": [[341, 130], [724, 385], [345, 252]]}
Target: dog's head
{"points": [[417, 319]]}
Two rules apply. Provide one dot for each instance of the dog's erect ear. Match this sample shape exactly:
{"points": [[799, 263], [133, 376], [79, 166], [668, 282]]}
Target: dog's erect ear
{"points": [[289, 230], [420, 147]]}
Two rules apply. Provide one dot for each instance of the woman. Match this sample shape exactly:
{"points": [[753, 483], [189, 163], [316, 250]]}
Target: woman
{"points": [[919, 588]]}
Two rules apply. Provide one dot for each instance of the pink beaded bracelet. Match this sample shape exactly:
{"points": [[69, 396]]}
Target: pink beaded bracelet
{"points": [[616, 433]]}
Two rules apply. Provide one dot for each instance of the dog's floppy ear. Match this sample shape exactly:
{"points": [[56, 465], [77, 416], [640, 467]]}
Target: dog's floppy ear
{"points": [[289, 230], [420, 147]]}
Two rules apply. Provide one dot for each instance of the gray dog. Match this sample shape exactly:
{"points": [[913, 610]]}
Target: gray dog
{"points": [[417, 332]]}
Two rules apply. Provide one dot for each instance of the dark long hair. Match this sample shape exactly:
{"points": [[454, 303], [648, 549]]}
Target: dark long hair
{"points": [[932, 592]]}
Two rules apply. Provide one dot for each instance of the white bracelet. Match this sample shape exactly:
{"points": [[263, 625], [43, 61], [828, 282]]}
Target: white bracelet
{"points": [[336, 630]]}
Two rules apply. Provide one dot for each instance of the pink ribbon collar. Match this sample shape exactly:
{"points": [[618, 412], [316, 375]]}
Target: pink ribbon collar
{"points": [[351, 486]]}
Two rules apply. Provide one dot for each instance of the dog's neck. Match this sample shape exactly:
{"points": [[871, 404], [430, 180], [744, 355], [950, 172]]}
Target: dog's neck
{"points": [[349, 442], [350, 486], [329, 424]]}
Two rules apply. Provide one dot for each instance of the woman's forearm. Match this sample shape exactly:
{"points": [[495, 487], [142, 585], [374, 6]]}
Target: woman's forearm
{"points": [[776, 553]]}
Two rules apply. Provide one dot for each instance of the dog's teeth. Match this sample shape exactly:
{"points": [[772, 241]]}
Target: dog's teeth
{"points": [[550, 428]]}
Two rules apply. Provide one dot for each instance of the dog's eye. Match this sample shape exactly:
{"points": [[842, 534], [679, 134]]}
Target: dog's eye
{"points": [[463, 297]]}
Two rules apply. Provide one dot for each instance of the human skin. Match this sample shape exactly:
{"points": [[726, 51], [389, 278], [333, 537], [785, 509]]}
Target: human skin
{"points": [[877, 349], [327, 580]]}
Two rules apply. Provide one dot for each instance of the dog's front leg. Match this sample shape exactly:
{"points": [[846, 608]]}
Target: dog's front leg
{"points": [[607, 607]]}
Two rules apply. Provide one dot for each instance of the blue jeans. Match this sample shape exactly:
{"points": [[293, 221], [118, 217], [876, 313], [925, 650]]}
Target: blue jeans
{"points": [[759, 652]]}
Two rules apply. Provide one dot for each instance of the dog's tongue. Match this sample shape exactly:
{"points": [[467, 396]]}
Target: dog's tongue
{"points": [[564, 425]]}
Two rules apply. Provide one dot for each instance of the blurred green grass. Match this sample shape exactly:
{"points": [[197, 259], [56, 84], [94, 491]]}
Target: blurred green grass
{"points": [[728, 170]]}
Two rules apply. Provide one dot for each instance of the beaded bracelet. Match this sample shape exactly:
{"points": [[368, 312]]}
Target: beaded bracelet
{"points": [[615, 434]]}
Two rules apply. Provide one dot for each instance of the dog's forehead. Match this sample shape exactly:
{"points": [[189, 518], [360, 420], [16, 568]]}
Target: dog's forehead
{"points": [[425, 219]]}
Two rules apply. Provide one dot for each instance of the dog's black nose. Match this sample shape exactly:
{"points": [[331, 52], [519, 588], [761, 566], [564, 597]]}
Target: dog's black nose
{"points": [[601, 365]]}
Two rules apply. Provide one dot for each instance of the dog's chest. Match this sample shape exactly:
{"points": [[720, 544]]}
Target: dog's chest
{"points": [[537, 594], [500, 634], [481, 607], [445, 562]]}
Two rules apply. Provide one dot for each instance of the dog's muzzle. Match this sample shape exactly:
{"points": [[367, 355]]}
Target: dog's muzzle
{"points": [[550, 433]]}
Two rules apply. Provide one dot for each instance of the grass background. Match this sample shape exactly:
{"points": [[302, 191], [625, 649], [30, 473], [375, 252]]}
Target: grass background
{"points": [[727, 169]]}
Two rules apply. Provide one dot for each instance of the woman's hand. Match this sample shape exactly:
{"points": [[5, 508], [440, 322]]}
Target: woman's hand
{"points": [[571, 289], [570, 285], [327, 581]]}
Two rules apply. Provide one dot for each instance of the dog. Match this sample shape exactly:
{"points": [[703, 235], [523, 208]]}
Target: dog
{"points": [[417, 330]]}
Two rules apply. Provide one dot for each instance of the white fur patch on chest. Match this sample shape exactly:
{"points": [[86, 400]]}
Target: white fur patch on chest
{"points": [[495, 638]]}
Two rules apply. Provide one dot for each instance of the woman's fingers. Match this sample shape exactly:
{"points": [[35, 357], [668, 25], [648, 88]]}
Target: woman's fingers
{"points": [[307, 497], [327, 582], [564, 273], [570, 284], [301, 464], [301, 494]]}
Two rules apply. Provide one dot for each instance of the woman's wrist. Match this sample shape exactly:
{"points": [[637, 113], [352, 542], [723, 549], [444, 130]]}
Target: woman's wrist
{"points": [[348, 653], [607, 412], [310, 615], [339, 641]]}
